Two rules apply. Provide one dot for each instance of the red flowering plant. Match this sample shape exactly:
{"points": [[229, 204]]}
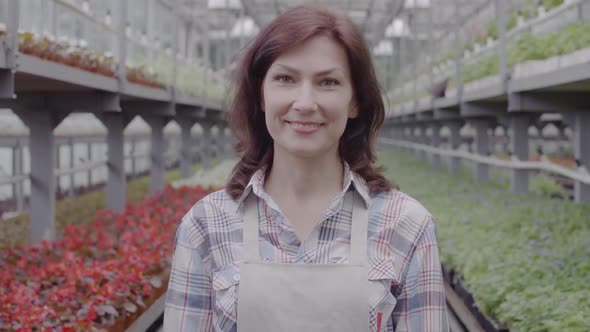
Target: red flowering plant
{"points": [[73, 55], [97, 278]]}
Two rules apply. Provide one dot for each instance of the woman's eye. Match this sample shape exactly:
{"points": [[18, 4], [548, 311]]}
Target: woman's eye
{"points": [[329, 82], [283, 79]]}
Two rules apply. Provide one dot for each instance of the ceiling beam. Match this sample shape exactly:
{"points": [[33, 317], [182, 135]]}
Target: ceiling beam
{"points": [[368, 15], [249, 11], [395, 8]]}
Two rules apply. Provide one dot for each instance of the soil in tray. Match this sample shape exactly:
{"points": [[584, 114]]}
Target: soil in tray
{"points": [[456, 282]]}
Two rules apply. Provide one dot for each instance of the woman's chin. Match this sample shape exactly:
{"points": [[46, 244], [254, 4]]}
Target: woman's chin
{"points": [[305, 151]]}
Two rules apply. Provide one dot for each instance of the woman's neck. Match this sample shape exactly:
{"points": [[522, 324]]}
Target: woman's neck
{"points": [[301, 179]]}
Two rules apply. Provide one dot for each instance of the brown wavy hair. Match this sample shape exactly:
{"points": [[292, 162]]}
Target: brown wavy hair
{"points": [[245, 116]]}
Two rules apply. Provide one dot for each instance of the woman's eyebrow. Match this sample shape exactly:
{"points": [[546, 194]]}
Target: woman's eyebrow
{"points": [[320, 73]]}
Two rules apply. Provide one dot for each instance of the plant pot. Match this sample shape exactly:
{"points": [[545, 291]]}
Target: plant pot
{"points": [[489, 42], [575, 58], [551, 64]]}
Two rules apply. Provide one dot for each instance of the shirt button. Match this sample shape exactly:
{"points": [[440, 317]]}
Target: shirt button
{"points": [[237, 277]]}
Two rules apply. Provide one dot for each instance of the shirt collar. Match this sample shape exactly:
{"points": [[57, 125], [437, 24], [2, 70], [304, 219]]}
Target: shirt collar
{"points": [[256, 185]]}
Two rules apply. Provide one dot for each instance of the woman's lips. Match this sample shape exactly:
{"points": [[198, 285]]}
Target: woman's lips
{"points": [[305, 127]]}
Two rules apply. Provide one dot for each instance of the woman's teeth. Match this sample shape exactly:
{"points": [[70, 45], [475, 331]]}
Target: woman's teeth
{"points": [[305, 126]]}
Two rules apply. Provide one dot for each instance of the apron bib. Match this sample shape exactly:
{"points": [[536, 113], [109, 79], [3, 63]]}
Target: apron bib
{"points": [[304, 297]]}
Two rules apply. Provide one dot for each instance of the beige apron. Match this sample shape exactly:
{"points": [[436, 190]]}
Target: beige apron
{"points": [[304, 297]]}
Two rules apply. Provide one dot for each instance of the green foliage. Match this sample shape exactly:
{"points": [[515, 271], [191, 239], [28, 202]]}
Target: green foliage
{"points": [[529, 11], [189, 77], [512, 21], [564, 41], [493, 30], [531, 47], [524, 257], [449, 55], [546, 186], [468, 47], [550, 4], [483, 68]]}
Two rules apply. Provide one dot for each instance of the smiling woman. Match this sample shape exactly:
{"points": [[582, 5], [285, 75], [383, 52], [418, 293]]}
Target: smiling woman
{"points": [[308, 234], [307, 94]]}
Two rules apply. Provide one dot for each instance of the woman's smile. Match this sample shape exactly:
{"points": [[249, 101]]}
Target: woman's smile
{"points": [[305, 127]]}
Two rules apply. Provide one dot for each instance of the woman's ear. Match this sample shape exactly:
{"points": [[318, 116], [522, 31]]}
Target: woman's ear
{"points": [[354, 111]]}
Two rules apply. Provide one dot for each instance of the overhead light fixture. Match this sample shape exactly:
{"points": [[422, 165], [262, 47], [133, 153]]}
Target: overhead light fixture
{"points": [[397, 28], [245, 27], [417, 3], [385, 47], [224, 4]]}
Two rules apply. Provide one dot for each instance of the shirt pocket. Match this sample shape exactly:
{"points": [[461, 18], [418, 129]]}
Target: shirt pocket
{"points": [[225, 286], [382, 275]]}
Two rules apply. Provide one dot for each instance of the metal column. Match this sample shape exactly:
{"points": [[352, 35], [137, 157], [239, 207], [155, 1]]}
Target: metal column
{"points": [[43, 180], [435, 142], [186, 156], [424, 141], [10, 42], [133, 160], [206, 53], [222, 144], [455, 143], [582, 153], [17, 170], [520, 147], [72, 188], [482, 146], [227, 46], [501, 16], [206, 144], [116, 181], [458, 54], [396, 72], [121, 53], [158, 150], [89, 159]]}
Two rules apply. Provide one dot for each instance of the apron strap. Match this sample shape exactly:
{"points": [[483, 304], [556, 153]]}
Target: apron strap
{"points": [[358, 237], [251, 250], [358, 231]]}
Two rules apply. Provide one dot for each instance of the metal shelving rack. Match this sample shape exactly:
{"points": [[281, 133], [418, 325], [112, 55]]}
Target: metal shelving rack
{"points": [[42, 93], [513, 102]]}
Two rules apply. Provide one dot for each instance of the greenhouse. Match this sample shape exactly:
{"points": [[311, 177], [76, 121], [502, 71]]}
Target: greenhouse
{"points": [[115, 121]]}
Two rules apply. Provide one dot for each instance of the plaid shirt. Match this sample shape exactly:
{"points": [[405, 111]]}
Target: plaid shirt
{"points": [[406, 287]]}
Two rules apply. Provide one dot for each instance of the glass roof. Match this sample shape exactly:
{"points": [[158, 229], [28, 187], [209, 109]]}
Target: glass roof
{"points": [[375, 17]]}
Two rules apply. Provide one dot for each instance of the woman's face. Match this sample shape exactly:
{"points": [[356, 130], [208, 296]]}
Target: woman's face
{"points": [[308, 97]]}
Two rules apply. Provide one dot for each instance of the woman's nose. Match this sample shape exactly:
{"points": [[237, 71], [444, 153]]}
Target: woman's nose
{"points": [[305, 98]]}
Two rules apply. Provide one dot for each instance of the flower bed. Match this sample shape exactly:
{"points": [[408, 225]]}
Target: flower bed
{"points": [[97, 278], [64, 53], [78, 56], [78, 210], [523, 257]]}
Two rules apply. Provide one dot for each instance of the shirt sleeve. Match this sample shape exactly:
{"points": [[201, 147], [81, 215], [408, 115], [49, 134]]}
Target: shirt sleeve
{"points": [[188, 299], [421, 305]]}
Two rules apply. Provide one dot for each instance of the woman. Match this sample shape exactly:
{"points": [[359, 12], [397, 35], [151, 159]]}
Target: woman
{"points": [[307, 235]]}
